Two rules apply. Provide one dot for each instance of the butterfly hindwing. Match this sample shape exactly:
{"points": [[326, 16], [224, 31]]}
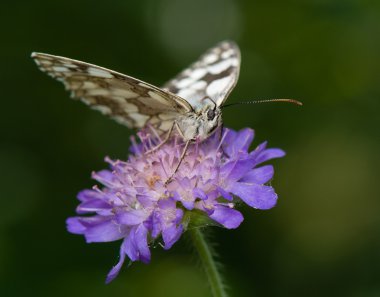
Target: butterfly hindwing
{"points": [[127, 100], [214, 76]]}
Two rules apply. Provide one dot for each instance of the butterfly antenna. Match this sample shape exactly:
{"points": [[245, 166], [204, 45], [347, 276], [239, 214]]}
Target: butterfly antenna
{"points": [[265, 101]]}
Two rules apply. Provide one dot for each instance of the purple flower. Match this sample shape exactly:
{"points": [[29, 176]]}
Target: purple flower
{"points": [[136, 205]]}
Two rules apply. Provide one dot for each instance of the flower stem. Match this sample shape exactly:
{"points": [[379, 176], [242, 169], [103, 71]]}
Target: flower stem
{"points": [[205, 252]]}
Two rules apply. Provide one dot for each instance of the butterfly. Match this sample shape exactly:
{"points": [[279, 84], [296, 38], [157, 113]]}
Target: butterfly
{"points": [[190, 103]]}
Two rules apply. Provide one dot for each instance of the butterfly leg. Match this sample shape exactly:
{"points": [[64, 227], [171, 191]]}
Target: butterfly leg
{"points": [[179, 162], [221, 127], [167, 137], [182, 155]]}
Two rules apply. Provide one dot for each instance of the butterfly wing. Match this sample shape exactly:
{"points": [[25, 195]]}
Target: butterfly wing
{"points": [[214, 75], [125, 99]]}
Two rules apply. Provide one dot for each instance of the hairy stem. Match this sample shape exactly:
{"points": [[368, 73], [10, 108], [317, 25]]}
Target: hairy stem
{"points": [[205, 253]]}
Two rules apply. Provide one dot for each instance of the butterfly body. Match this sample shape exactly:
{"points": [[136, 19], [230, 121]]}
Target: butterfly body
{"points": [[199, 125], [190, 104]]}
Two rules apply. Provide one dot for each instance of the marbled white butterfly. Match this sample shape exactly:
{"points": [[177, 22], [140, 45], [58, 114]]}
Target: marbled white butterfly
{"points": [[190, 103]]}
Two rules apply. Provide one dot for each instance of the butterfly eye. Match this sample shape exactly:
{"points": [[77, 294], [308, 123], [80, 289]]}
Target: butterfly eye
{"points": [[210, 114]]}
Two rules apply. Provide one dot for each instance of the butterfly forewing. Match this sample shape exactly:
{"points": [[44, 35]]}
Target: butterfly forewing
{"points": [[213, 76], [127, 100]]}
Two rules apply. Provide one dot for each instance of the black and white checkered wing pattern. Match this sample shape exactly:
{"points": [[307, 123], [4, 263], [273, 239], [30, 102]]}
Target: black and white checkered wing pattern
{"points": [[214, 75], [127, 100]]}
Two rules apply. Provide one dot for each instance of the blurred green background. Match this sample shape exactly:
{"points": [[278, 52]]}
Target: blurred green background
{"points": [[323, 237]]}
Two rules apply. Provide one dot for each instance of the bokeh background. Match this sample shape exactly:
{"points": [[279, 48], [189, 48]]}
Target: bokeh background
{"points": [[323, 237]]}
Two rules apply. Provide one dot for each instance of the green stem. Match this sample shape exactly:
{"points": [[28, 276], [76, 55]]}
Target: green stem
{"points": [[208, 262]]}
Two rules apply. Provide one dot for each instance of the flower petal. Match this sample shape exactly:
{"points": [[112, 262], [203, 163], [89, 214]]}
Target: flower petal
{"points": [[141, 242], [94, 205], [116, 269], [136, 244], [104, 230], [199, 193], [88, 195], [225, 194], [178, 216], [74, 225], [171, 235], [236, 142], [78, 225], [155, 224], [106, 177], [166, 204], [269, 154], [131, 217], [257, 196], [228, 217], [259, 175], [186, 203], [130, 245], [235, 170]]}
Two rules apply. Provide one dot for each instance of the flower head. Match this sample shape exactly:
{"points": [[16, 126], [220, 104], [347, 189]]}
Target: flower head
{"points": [[137, 205]]}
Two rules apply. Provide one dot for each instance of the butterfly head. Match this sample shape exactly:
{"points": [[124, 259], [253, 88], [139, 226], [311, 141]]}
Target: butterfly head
{"points": [[200, 125], [210, 118]]}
